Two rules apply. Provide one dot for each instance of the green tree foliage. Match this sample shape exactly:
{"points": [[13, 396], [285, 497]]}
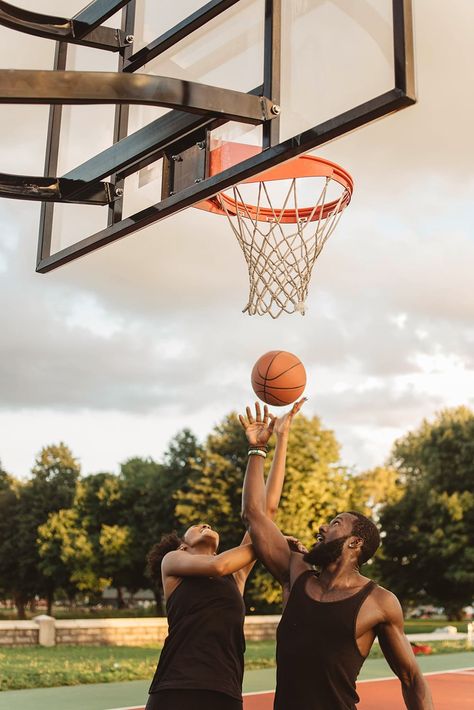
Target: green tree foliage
{"points": [[427, 551], [96, 542], [142, 516], [143, 513], [8, 521], [68, 553], [55, 563], [54, 477], [213, 487], [50, 488], [372, 490], [317, 487], [116, 555], [106, 506], [182, 464]]}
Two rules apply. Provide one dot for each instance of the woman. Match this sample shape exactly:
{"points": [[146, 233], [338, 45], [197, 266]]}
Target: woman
{"points": [[201, 665]]}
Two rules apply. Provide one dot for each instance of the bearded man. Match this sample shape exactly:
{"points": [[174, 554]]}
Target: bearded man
{"points": [[332, 616]]}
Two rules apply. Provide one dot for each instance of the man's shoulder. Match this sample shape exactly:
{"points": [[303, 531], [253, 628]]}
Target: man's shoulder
{"points": [[386, 600], [384, 594]]}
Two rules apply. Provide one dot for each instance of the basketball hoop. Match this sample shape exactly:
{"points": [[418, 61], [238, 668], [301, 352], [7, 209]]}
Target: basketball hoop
{"points": [[282, 219]]}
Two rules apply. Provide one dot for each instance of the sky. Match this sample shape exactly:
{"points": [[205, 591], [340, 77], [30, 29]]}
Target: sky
{"points": [[117, 352]]}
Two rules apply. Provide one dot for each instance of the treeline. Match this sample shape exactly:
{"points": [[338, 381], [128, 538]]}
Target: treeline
{"points": [[68, 535]]}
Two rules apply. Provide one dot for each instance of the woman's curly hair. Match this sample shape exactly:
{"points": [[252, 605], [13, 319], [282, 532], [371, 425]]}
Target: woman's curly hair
{"points": [[168, 542]]}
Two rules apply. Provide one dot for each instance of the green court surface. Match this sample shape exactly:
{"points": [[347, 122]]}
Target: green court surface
{"points": [[105, 696]]}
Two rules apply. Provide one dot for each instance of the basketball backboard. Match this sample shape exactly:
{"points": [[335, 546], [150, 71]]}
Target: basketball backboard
{"points": [[159, 85]]}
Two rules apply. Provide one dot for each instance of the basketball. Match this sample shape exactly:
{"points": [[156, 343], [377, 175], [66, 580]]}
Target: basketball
{"points": [[278, 378]]}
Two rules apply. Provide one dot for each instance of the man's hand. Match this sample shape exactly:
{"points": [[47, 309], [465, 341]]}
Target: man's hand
{"points": [[258, 430], [282, 424]]}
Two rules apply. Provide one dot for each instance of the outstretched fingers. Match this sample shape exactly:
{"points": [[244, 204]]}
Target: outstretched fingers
{"points": [[267, 420], [272, 422], [297, 406], [243, 422]]}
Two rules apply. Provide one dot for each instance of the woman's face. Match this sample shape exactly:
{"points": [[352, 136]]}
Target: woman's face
{"points": [[200, 533]]}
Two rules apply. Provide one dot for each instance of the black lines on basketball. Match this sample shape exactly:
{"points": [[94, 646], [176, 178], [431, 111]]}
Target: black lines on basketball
{"points": [[296, 364], [284, 379], [275, 355], [294, 387]]}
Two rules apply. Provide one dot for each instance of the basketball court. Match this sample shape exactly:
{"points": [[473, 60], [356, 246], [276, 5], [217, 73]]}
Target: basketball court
{"points": [[454, 689], [451, 679]]}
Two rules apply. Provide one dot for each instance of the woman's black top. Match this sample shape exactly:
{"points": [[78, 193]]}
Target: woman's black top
{"points": [[205, 644], [318, 659]]}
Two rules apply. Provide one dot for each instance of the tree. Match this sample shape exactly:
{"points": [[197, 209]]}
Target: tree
{"points": [[144, 514], [212, 491], [9, 487], [84, 547], [54, 477], [182, 464], [441, 452], [372, 490], [116, 554], [103, 538], [69, 555], [111, 509], [427, 551], [51, 487], [317, 486]]}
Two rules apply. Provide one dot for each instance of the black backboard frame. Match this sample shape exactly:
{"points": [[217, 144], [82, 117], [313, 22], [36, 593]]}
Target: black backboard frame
{"points": [[130, 153]]}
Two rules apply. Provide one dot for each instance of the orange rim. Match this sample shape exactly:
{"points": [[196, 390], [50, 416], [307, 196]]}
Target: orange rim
{"points": [[304, 166]]}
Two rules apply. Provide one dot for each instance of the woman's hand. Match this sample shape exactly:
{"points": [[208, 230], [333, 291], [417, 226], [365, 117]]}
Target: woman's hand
{"points": [[296, 545], [258, 430], [282, 425]]}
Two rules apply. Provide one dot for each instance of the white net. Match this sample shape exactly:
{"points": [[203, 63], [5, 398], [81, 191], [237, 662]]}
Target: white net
{"points": [[280, 254]]}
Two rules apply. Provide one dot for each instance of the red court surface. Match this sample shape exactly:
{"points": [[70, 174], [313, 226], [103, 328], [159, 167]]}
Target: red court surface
{"points": [[453, 690]]}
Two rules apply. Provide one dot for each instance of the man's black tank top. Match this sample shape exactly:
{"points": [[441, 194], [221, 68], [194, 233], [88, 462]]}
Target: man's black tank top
{"points": [[318, 659], [205, 644]]}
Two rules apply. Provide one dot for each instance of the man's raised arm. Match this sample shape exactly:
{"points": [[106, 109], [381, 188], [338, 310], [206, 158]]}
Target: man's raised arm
{"points": [[270, 545]]}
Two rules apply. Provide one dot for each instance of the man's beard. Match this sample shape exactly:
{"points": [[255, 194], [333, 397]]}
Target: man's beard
{"points": [[324, 553]]}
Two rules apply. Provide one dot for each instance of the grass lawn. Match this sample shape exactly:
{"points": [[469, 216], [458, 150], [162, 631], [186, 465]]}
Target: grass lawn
{"points": [[39, 667], [73, 665]]}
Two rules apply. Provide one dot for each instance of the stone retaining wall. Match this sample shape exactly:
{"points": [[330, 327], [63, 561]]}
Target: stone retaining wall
{"points": [[110, 632], [46, 631], [19, 633]]}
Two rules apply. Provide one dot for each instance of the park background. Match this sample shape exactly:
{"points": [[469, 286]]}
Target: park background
{"points": [[66, 537]]}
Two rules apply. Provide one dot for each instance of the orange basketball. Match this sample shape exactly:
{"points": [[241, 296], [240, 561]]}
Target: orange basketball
{"points": [[278, 378]]}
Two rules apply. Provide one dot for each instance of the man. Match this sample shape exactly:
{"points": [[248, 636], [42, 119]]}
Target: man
{"points": [[332, 618]]}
